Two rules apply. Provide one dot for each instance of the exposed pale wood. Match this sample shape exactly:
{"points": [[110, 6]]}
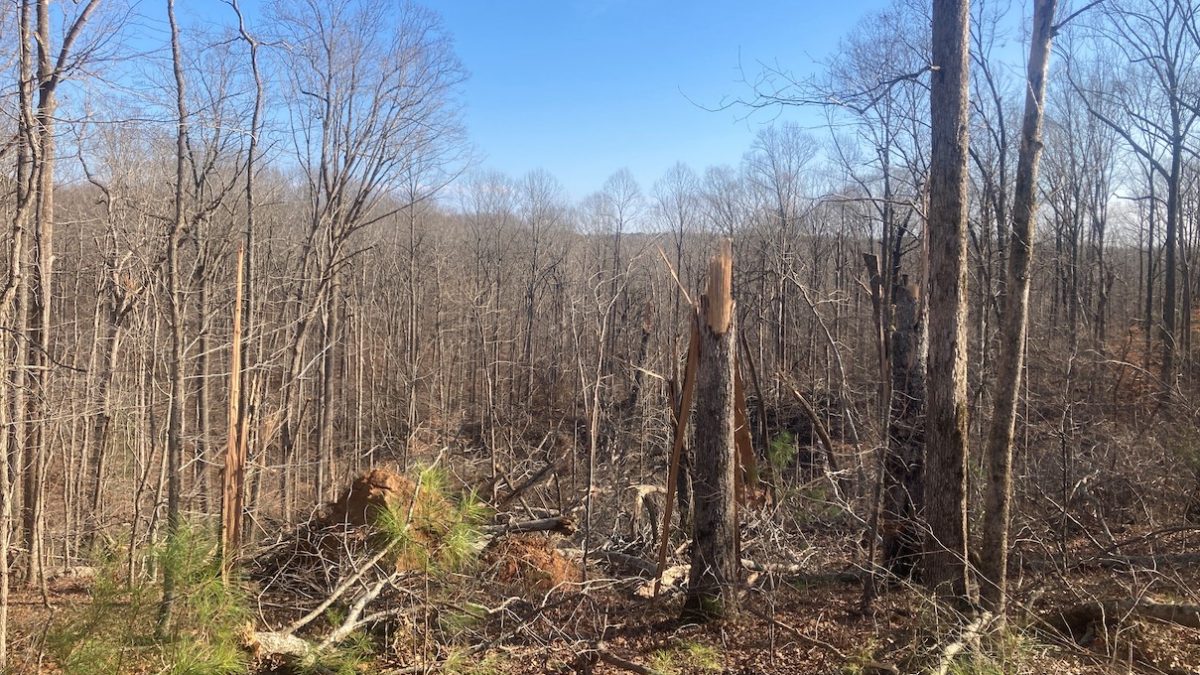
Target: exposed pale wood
{"points": [[747, 474], [969, 635], [233, 485], [718, 312]]}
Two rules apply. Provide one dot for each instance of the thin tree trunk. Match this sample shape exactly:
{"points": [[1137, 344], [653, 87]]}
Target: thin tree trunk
{"points": [[994, 556], [174, 459], [233, 485], [11, 443]]}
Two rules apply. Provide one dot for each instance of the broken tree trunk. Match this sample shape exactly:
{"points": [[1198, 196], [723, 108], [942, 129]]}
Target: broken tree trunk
{"points": [[903, 493], [674, 468], [714, 573], [234, 479]]}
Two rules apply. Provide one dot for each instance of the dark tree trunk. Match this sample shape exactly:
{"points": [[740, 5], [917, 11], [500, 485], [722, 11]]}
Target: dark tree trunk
{"points": [[712, 592], [903, 492], [945, 569]]}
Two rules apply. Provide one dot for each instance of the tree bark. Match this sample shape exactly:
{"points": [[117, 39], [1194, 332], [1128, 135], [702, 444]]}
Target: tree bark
{"points": [[175, 413], [714, 573], [994, 556], [903, 488], [945, 569]]}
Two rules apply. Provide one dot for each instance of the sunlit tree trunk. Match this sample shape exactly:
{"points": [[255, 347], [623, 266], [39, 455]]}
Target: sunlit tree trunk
{"points": [[994, 554], [944, 565]]}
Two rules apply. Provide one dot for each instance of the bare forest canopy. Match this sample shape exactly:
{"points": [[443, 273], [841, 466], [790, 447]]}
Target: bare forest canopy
{"points": [[269, 243]]}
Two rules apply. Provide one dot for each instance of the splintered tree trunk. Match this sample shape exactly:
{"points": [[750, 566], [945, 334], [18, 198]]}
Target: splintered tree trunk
{"points": [[234, 476], [994, 556], [945, 557], [326, 462], [903, 493], [712, 592]]}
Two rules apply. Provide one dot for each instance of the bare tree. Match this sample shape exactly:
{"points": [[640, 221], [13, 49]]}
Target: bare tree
{"points": [[1157, 40], [945, 561], [174, 464], [994, 555], [372, 97]]}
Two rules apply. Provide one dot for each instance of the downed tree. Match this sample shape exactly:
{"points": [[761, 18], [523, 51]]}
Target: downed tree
{"points": [[377, 553], [1082, 622]]}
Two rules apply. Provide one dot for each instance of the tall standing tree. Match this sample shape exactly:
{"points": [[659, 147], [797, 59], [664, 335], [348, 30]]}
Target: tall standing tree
{"points": [[1015, 291], [175, 402], [53, 66], [945, 557], [372, 96], [11, 392]]}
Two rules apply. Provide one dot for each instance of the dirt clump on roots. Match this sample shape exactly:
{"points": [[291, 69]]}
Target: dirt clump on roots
{"points": [[374, 493], [371, 511], [530, 562]]}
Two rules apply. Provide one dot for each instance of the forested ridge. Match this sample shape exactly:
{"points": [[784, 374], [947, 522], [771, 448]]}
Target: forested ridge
{"points": [[292, 382]]}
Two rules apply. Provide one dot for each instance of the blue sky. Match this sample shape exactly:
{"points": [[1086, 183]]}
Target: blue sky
{"points": [[582, 88]]}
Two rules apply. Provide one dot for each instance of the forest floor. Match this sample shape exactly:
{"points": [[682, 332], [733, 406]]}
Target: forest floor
{"points": [[790, 623]]}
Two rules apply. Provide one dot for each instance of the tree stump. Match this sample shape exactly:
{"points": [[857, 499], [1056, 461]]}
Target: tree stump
{"points": [[712, 592]]}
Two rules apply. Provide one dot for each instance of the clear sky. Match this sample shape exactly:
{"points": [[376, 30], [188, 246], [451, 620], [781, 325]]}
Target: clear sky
{"points": [[582, 88]]}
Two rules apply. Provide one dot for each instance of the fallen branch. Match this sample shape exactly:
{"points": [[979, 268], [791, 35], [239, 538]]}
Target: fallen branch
{"points": [[795, 632], [617, 662], [337, 592], [970, 634], [561, 524], [840, 483], [533, 480], [1105, 561], [352, 621]]}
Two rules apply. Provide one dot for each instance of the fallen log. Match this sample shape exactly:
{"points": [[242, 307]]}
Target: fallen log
{"points": [[530, 482], [270, 643], [1114, 561], [798, 572], [641, 566], [1080, 622]]}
